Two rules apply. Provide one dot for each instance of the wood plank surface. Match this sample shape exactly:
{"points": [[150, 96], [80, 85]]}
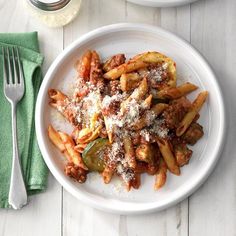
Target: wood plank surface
{"points": [[212, 209]]}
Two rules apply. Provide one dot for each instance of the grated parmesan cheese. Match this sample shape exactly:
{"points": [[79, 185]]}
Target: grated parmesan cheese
{"points": [[158, 129], [107, 100], [156, 74], [126, 174], [93, 102], [145, 134]]}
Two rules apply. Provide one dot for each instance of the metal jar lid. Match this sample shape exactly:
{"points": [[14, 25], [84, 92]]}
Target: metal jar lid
{"points": [[49, 5]]}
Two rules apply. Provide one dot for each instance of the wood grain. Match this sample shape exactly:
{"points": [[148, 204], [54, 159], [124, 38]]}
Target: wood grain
{"points": [[212, 209], [40, 217]]}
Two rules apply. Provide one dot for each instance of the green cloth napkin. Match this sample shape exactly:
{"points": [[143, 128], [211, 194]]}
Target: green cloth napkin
{"points": [[34, 169]]}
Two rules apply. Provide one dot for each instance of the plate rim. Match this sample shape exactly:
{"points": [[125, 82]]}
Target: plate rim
{"points": [[149, 207], [161, 3]]}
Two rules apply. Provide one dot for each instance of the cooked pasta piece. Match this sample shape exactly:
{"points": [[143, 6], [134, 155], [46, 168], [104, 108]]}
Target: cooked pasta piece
{"points": [[141, 90], [168, 156], [108, 173], [138, 94], [129, 81], [161, 175], [93, 120], [70, 147], [95, 69], [189, 117], [129, 152], [135, 182], [57, 141], [55, 138], [87, 135], [56, 96], [130, 66], [147, 102], [176, 92], [63, 104], [84, 65]]}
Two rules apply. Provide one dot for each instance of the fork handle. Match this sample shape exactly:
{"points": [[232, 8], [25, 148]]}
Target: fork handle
{"points": [[17, 197]]}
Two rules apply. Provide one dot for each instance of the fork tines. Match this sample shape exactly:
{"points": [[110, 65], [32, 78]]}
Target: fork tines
{"points": [[12, 69]]}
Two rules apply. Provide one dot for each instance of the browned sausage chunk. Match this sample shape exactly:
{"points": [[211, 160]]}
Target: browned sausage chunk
{"points": [[175, 112], [193, 133]]}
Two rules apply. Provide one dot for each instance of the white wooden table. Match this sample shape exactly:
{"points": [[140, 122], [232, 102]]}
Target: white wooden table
{"points": [[210, 25]]}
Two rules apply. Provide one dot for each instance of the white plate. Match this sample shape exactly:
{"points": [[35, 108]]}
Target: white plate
{"points": [[161, 3], [132, 39]]}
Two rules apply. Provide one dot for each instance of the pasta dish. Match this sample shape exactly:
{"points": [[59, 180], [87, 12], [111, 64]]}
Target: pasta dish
{"points": [[129, 116]]}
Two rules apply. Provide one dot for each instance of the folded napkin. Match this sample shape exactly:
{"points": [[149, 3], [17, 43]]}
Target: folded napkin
{"points": [[34, 169]]}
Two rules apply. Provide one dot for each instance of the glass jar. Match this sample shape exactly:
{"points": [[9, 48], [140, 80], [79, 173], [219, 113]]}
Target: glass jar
{"points": [[54, 13]]}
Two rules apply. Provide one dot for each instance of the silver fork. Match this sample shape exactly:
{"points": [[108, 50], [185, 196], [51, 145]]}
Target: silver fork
{"points": [[14, 89]]}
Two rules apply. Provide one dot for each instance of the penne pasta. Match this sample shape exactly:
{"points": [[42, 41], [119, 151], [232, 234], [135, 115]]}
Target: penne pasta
{"points": [[95, 68], [161, 175], [63, 104], [129, 152], [93, 120], [134, 183], [168, 156], [130, 66], [138, 94], [141, 90], [84, 65], [107, 174], [70, 147], [129, 81], [147, 102], [55, 138], [189, 117], [87, 135], [175, 92], [84, 135], [56, 96]]}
